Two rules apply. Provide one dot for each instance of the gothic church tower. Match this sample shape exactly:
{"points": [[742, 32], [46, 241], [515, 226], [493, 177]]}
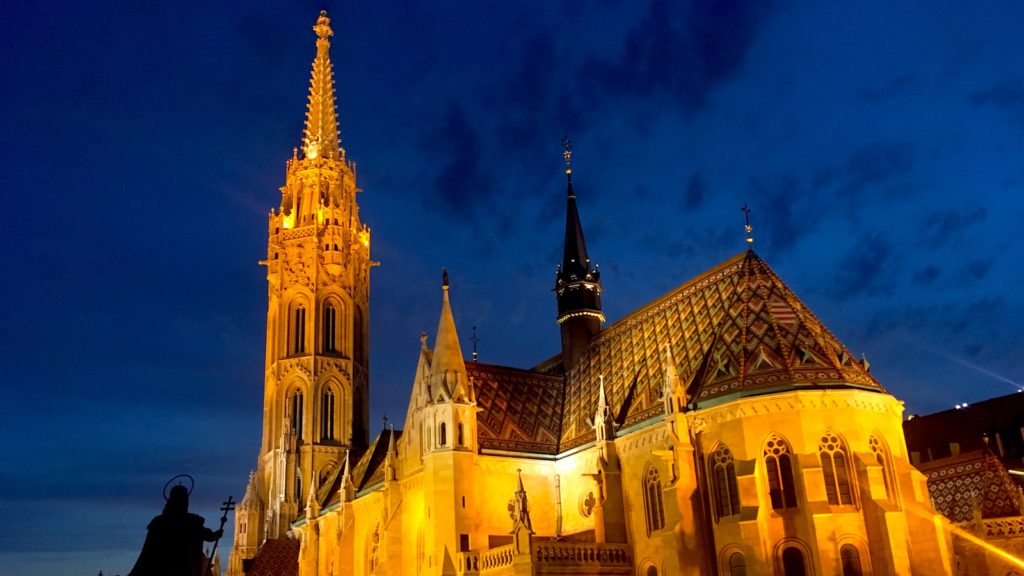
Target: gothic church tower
{"points": [[317, 357]]}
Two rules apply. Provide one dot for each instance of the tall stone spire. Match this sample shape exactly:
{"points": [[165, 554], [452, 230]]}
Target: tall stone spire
{"points": [[577, 285], [448, 368], [320, 139]]}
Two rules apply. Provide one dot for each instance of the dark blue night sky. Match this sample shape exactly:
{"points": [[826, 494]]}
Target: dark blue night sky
{"points": [[880, 147]]}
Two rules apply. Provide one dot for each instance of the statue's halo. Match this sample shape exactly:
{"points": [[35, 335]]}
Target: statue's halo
{"points": [[179, 478]]}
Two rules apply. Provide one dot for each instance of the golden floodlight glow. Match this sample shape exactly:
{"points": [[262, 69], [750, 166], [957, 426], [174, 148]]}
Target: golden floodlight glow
{"points": [[288, 220], [986, 546], [364, 238]]}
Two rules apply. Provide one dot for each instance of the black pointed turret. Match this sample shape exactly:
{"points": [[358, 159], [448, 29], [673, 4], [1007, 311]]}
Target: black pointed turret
{"points": [[577, 288]]}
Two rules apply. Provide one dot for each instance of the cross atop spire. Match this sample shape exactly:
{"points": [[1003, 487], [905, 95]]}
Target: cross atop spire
{"points": [[320, 139], [748, 227], [567, 154]]}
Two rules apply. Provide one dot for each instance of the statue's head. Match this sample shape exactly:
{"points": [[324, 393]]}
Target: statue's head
{"points": [[177, 502]]}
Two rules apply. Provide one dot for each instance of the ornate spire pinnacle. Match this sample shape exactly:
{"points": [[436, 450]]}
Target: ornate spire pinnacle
{"points": [[320, 139], [671, 383], [312, 504], [748, 227], [347, 491], [520, 508], [604, 423], [448, 369]]}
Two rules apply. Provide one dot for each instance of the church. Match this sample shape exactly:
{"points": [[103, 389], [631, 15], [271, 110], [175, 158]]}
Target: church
{"points": [[720, 429]]}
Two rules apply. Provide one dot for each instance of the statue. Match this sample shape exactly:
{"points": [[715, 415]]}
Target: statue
{"points": [[174, 544]]}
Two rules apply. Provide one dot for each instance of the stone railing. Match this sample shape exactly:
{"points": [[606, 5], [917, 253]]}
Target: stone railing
{"points": [[1010, 527], [582, 554], [547, 556], [497, 557], [467, 563]]}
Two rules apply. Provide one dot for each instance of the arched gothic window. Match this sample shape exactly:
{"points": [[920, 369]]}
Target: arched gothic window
{"points": [[330, 328], [653, 506], [723, 473], [651, 571], [297, 415], [443, 439], [461, 440], [850, 559], [881, 453], [327, 415], [835, 468], [793, 562], [298, 486], [299, 330], [737, 565], [778, 464], [358, 344]]}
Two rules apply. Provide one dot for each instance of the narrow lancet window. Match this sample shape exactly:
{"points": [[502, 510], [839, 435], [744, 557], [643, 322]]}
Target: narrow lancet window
{"points": [[778, 463], [297, 415], [330, 328], [835, 469], [299, 331], [654, 509], [327, 415], [726, 489]]}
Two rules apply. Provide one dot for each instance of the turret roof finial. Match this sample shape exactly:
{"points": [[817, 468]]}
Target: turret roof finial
{"points": [[567, 154], [748, 227], [444, 278], [323, 26]]}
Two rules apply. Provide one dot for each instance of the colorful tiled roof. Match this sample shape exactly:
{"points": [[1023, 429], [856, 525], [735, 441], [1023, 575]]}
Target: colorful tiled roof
{"points": [[276, 558], [734, 331], [961, 483], [367, 471], [520, 410]]}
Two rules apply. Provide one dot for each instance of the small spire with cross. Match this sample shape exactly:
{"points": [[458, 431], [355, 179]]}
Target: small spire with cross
{"points": [[474, 340], [567, 154], [747, 226]]}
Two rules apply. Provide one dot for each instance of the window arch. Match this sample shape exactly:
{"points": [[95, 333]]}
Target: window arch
{"points": [[460, 440], [737, 564], [778, 464], [298, 486], [327, 412], [296, 419], [443, 437], [358, 333], [651, 571], [793, 563], [298, 329], [654, 509], [849, 557], [835, 469], [329, 336], [881, 452], [726, 490]]}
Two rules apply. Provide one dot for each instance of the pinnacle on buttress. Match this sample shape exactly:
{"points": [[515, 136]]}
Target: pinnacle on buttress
{"points": [[347, 492], [671, 383], [604, 422], [320, 139], [312, 504], [521, 508]]}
